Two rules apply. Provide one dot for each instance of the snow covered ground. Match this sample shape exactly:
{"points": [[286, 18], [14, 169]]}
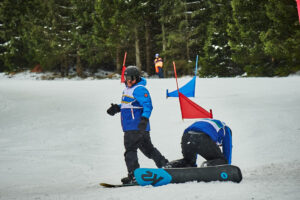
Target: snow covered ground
{"points": [[57, 142]]}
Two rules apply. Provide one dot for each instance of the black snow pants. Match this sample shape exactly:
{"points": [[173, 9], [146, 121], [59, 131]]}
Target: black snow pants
{"points": [[134, 140], [193, 143]]}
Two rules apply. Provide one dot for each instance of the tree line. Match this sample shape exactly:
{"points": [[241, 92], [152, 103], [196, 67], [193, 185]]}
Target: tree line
{"points": [[231, 37]]}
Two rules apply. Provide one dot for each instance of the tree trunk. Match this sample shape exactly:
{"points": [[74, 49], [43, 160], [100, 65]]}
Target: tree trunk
{"points": [[148, 47], [118, 64], [137, 49], [78, 65], [187, 37], [64, 69], [164, 43]]}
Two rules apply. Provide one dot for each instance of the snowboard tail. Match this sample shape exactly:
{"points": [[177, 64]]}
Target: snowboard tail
{"points": [[158, 177], [107, 185]]}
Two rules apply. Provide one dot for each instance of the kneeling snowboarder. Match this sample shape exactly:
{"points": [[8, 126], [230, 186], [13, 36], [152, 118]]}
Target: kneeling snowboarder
{"points": [[204, 138]]}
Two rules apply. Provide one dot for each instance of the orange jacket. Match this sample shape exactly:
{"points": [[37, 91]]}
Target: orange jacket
{"points": [[158, 63]]}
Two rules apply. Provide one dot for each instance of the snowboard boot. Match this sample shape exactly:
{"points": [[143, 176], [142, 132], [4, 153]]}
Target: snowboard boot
{"points": [[204, 164], [215, 162], [130, 179], [179, 164]]}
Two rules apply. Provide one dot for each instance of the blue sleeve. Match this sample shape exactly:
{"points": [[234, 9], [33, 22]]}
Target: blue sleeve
{"points": [[142, 95], [227, 144]]}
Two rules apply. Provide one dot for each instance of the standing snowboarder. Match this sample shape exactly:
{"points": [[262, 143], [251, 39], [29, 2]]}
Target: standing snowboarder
{"points": [[158, 62], [136, 108], [204, 138]]}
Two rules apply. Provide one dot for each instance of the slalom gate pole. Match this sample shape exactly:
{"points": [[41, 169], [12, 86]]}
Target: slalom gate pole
{"points": [[196, 66], [298, 6], [176, 77], [124, 58], [177, 88], [123, 68], [211, 114]]}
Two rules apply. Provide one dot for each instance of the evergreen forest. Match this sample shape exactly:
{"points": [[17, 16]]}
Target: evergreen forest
{"points": [[231, 37]]}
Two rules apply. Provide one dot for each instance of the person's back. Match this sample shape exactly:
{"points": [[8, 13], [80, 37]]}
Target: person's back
{"points": [[204, 138], [218, 131]]}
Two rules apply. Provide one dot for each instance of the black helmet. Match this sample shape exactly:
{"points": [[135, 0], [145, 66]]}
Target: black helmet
{"points": [[132, 73]]}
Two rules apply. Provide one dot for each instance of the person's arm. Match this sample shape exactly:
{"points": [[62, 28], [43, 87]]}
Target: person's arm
{"points": [[227, 144], [113, 109], [142, 95]]}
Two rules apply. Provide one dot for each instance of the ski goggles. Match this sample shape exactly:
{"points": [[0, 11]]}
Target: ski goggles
{"points": [[130, 78]]}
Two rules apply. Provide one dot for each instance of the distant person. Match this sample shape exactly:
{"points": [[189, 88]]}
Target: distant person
{"points": [[159, 66], [136, 108], [204, 138]]}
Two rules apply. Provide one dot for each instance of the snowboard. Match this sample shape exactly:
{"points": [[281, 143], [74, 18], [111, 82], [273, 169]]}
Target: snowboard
{"points": [[107, 185], [158, 177]]}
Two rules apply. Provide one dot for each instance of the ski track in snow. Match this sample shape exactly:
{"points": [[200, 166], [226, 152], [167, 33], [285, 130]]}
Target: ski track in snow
{"points": [[57, 142]]}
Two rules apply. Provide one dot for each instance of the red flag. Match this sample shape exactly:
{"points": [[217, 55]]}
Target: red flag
{"points": [[191, 110], [123, 69], [122, 75], [298, 5]]}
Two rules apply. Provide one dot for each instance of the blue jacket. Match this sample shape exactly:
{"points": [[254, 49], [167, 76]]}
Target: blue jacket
{"points": [[136, 103], [218, 132]]}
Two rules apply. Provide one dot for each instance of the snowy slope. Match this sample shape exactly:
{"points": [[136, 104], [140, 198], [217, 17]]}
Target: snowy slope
{"points": [[57, 142]]}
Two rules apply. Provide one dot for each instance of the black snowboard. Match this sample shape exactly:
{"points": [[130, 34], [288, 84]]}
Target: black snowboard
{"points": [[107, 185], [157, 177]]}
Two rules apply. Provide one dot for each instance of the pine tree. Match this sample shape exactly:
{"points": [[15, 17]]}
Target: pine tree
{"points": [[111, 30], [13, 48], [134, 17], [59, 32], [217, 52], [175, 35], [199, 22], [87, 52], [249, 21], [150, 22], [282, 38], [144, 15]]}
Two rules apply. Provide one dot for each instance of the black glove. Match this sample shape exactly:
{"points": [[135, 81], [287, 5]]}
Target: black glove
{"points": [[143, 124], [114, 108]]}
